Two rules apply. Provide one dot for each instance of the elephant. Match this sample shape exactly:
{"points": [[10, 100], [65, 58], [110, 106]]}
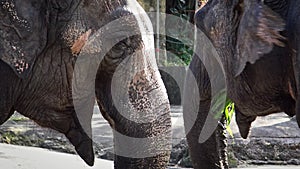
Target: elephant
{"points": [[42, 46], [257, 42]]}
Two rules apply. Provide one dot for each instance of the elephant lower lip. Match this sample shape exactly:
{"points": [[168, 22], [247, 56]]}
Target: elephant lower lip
{"points": [[85, 151]]}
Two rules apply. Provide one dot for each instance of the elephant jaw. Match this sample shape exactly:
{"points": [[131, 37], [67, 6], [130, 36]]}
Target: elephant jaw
{"points": [[244, 124]]}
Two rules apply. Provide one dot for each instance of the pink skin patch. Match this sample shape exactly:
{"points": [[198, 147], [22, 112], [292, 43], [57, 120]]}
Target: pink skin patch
{"points": [[80, 42]]}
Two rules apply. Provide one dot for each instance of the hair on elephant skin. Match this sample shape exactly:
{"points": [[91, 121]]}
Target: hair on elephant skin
{"points": [[58, 56], [257, 42]]}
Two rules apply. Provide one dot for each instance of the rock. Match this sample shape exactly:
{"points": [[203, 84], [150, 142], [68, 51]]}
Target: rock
{"points": [[294, 162], [178, 152]]}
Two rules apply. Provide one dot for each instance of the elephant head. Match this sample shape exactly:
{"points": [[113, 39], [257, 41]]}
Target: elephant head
{"points": [[256, 42], [42, 46], [244, 30]]}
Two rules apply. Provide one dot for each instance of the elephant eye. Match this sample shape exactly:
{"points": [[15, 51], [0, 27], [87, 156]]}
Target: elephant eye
{"points": [[61, 5]]}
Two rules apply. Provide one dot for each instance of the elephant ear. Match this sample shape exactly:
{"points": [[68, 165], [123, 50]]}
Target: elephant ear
{"points": [[23, 33], [258, 32]]}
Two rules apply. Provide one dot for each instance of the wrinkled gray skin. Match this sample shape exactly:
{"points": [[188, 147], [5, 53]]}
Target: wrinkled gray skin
{"points": [[40, 42], [258, 44]]}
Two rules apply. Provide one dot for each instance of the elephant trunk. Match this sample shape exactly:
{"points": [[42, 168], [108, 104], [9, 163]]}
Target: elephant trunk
{"points": [[139, 113], [293, 25], [298, 113], [212, 152], [147, 145], [130, 92]]}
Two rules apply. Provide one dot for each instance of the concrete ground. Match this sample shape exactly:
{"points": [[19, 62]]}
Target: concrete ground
{"points": [[19, 157]]}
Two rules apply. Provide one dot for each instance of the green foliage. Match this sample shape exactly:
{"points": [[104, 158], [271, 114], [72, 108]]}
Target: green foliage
{"points": [[180, 44], [16, 138], [232, 160], [228, 112], [183, 53], [18, 118], [144, 4], [227, 109], [148, 4], [186, 161], [218, 105]]}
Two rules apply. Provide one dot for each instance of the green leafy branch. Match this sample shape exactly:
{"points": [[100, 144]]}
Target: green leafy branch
{"points": [[227, 109]]}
